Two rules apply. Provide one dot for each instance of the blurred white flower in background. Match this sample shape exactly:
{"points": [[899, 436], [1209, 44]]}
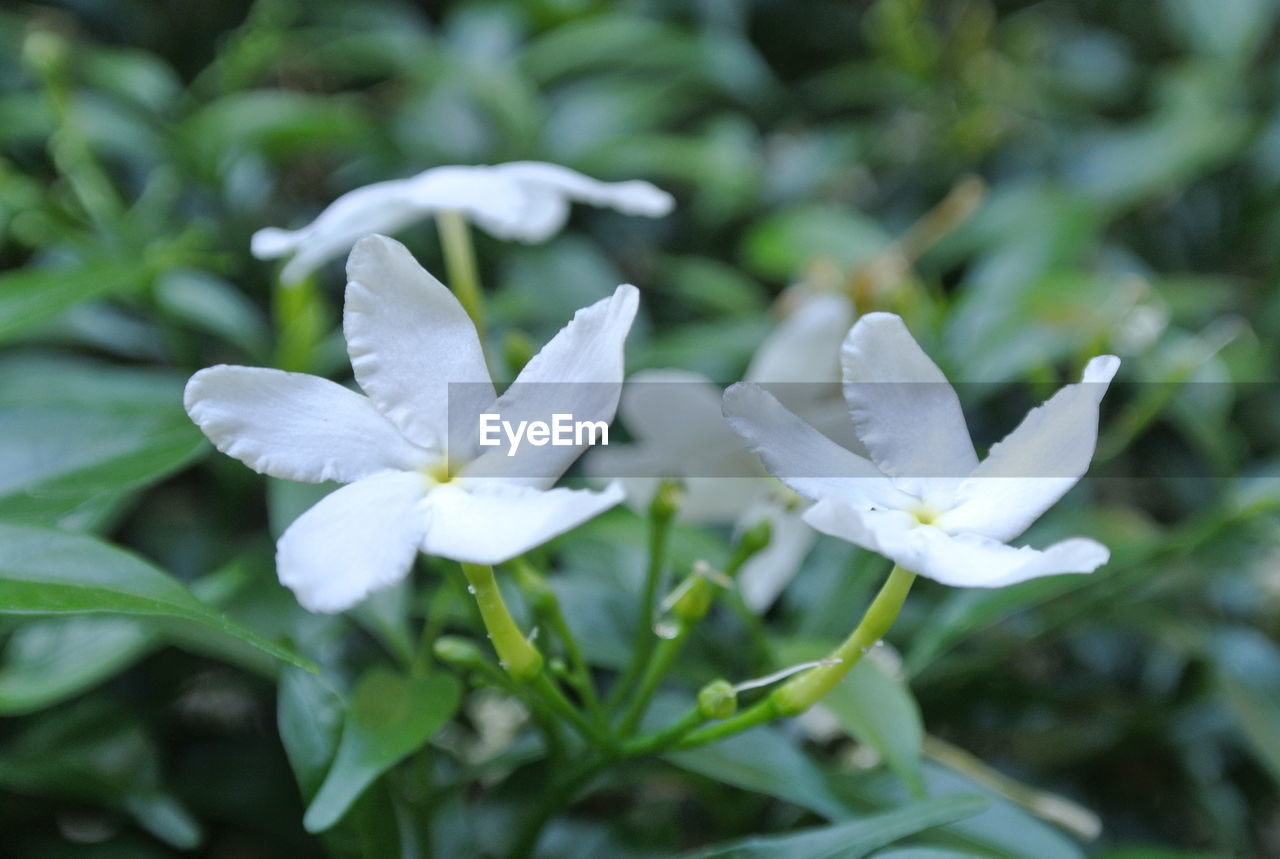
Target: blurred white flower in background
{"points": [[408, 449], [680, 431], [920, 497], [524, 200]]}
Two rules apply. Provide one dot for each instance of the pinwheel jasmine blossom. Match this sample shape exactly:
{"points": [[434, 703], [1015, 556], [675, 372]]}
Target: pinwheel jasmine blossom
{"points": [[680, 431], [408, 448], [523, 200], [921, 498]]}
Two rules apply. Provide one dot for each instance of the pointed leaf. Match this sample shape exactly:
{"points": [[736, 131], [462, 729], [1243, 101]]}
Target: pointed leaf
{"points": [[856, 838], [43, 571], [390, 717]]}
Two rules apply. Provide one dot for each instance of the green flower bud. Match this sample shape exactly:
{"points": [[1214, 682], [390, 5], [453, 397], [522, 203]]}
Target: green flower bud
{"points": [[666, 501], [717, 700], [460, 652], [694, 600]]}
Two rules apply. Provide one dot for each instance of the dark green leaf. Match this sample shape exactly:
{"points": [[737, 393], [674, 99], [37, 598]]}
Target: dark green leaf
{"points": [[856, 838], [43, 571], [390, 716]]}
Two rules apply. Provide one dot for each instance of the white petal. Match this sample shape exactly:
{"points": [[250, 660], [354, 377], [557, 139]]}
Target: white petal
{"points": [[961, 560], [800, 456], [295, 426], [1036, 464], [766, 573], [357, 540], [805, 347], [409, 339], [383, 207], [676, 408], [631, 198], [491, 521], [905, 411], [579, 373], [541, 214]]}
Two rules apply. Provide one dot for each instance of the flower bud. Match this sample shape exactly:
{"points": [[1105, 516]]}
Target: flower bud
{"points": [[45, 53], [666, 501], [694, 600], [717, 700], [459, 652], [756, 538]]}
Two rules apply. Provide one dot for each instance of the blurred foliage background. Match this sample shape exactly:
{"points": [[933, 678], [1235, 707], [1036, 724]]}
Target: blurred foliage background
{"points": [[1130, 154]]}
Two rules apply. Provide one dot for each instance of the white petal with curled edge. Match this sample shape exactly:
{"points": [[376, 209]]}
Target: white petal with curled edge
{"points": [[382, 207], [294, 426], [1036, 464], [960, 560], [800, 456], [577, 375], [770, 570], [357, 540], [904, 410], [409, 339], [631, 198], [491, 521]]}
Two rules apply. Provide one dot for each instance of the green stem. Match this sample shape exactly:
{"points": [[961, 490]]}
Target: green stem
{"points": [[664, 655], [299, 321], [661, 513], [460, 263], [549, 692], [433, 626], [547, 605], [804, 690], [517, 656], [665, 738]]}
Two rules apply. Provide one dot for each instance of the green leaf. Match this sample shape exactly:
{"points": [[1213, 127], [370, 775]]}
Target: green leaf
{"points": [[35, 295], [43, 571], [876, 708], [209, 303], [309, 717], [856, 838], [97, 753], [75, 435], [764, 761], [784, 244], [1248, 666], [48, 661], [390, 717]]}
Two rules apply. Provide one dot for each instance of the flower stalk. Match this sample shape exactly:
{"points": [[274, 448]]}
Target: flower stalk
{"points": [[804, 690], [547, 606], [662, 511], [518, 657], [460, 263], [688, 609]]}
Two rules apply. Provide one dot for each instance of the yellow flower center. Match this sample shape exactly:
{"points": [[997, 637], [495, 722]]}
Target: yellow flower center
{"points": [[437, 473]]}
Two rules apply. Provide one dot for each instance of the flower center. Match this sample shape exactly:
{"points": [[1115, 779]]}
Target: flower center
{"points": [[437, 473], [924, 514]]}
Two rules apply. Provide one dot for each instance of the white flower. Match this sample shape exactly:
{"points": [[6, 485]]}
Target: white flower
{"points": [[523, 200], [922, 499], [675, 417], [409, 449]]}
